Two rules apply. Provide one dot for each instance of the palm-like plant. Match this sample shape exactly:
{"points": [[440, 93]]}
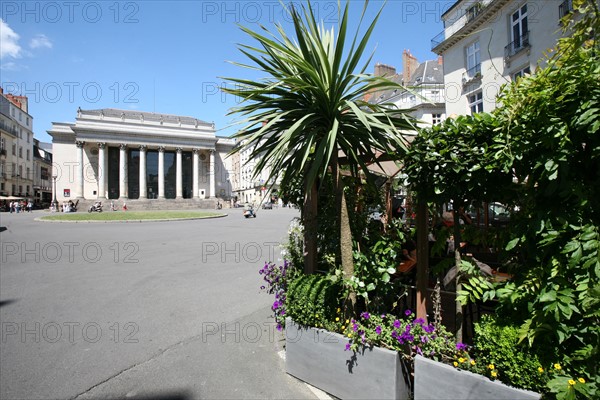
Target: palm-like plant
{"points": [[309, 112]]}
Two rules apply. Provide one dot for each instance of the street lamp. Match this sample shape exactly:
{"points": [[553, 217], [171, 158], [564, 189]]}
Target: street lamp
{"points": [[54, 205]]}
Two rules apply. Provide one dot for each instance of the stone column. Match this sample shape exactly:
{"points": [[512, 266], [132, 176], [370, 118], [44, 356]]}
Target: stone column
{"points": [[102, 172], [123, 171], [195, 174], [161, 172], [79, 182], [211, 173], [143, 187], [178, 175]]}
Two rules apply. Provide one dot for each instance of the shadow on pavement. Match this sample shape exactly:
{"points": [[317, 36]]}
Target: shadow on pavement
{"points": [[3, 228], [179, 395], [7, 302]]}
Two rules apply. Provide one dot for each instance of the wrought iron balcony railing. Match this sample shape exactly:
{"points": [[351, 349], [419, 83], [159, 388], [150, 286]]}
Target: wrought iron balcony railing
{"points": [[516, 46]]}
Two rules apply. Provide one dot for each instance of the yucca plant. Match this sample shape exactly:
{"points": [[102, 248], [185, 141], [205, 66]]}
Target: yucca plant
{"points": [[308, 113]]}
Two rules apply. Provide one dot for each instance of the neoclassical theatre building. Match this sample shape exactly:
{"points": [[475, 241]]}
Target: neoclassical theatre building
{"points": [[124, 154]]}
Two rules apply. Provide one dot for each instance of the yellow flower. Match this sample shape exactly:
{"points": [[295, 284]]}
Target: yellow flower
{"points": [[347, 322], [491, 366], [494, 374], [461, 360], [343, 327], [557, 366], [455, 364], [571, 382], [350, 334], [581, 380], [472, 362], [338, 310], [337, 319], [540, 370], [316, 315]]}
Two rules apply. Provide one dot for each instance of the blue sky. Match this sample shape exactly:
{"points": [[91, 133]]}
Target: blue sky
{"points": [[164, 56]]}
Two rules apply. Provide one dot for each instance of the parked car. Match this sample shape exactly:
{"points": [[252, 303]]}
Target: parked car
{"points": [[267, 206]]}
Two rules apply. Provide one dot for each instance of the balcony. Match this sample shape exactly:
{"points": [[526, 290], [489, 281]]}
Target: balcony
{"points": [[516, 46], [7, 128], [3, 152], [472, 74], [565, 8]]}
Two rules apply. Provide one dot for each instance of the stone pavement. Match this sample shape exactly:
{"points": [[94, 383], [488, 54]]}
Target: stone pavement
{"points": [[153, 310]]}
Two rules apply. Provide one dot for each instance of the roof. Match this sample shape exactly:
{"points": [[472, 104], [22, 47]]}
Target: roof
{"points": [[143, 115], [428, 72]]}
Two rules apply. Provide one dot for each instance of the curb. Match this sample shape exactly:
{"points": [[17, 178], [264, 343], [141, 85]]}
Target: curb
{"points": [[40, 219]]}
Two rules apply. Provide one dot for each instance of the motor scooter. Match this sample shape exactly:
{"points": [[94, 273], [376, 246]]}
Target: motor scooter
{"points": [[249, 212], [97, 207]]}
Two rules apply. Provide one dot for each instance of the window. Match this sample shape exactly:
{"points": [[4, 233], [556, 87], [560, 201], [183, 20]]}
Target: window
{"points": [[28, 155], [27, 121], [28, 138], [473, 60], [14, 149], [565, 8], [14, 169], [2, 144], [521, 72], [476, 102], [28, 190], [436, 119], [28, 176], [20, 173], [519, 28], [20, 152]]}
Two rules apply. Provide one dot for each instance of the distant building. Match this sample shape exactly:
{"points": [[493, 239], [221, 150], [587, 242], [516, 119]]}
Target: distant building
{"points": [[423, 97], [488, 43], [16, 146], [42, 172], [248, 189], [124, 154]]}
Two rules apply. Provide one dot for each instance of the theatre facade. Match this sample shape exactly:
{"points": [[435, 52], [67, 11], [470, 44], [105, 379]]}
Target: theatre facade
{"points": [[124, 154]]}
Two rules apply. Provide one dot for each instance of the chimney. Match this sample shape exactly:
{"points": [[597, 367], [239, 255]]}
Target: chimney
{"points": [[440, 60], [384, 70], [409, 65]]}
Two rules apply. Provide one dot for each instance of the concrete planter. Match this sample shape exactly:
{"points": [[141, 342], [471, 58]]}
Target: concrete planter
{"points": [[317, 357], [434, 380]]}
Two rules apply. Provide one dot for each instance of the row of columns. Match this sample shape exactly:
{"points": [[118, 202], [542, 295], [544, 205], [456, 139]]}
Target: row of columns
{"points": [[102, 172]]}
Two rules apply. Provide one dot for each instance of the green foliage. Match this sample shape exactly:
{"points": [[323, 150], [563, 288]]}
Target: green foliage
{"points": [[310, 103], [293, 248], [516, 365], [313, 300]]}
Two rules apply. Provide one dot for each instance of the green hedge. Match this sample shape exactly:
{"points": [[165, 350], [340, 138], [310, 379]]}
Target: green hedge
{"points": [[312, 300]]}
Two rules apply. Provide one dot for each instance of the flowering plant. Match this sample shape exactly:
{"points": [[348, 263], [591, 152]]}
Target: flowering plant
{"points": [[276, 278], [409, 335]]}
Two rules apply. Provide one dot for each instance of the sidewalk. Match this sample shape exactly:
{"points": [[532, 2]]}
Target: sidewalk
{"points": [[239, 362]]}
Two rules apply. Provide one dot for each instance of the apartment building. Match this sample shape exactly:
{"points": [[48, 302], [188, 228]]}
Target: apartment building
{"points": [[487, 43], [424, 96], [16, 146]]}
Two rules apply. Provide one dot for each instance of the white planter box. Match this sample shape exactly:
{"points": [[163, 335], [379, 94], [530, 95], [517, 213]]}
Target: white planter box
{"points": [[317, 357], [435, 380]]}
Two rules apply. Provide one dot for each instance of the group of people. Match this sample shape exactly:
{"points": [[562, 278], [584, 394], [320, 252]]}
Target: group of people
{"points": [[20, 206]]}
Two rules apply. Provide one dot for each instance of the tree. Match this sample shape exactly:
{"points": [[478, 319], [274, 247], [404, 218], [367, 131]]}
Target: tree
{"points": [[309, 111]]}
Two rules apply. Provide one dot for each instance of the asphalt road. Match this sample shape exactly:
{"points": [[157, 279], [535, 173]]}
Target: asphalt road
{"points": [[154, 310]]}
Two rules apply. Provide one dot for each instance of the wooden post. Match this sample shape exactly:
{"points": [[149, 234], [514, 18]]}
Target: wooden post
{"points": [[422, 259], [310, 229]]}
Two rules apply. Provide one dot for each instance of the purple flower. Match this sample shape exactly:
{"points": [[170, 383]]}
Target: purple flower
{"points": [[275, 305], [429, 328], [347, 347], [420, 321], [365, 315], [279, 327], [354, 327], [396, 324], [419, 351], [407, 312], [461, 346], [382, 316], [424, 339], [378, 330], [394, 334]]}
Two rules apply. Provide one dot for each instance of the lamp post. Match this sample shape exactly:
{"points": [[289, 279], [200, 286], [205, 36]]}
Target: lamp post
{"points": [[54, 205]]}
